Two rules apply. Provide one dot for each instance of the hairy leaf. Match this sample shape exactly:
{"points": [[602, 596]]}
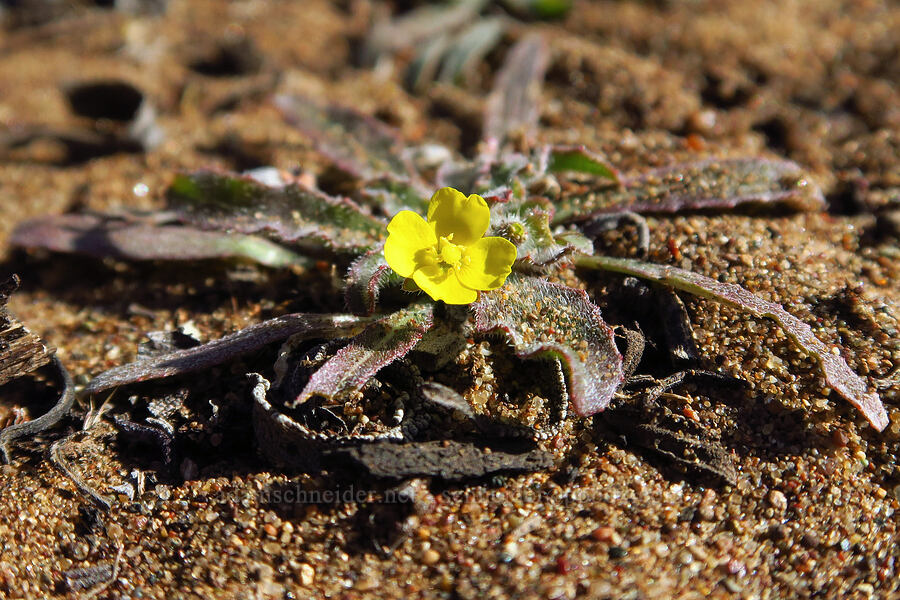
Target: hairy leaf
{"points": [[227, 348], [512, 107], [379, 345], [391, 195], [541, 318], [576, 242], [103, 236], [366, 276], [837, 373], [355, 143], [293, 214], [708, 184]]}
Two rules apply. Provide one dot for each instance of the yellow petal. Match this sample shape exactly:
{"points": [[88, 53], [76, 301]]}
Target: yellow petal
{"points": [[441, 283], [487, 263], [409, 235], [451, 213]]}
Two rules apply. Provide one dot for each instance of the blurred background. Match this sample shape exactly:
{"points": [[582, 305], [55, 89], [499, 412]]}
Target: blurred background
{"points": [[101, 101]]}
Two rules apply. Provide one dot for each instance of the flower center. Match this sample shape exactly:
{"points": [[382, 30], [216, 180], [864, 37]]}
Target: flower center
{"points": [[449, 252]]}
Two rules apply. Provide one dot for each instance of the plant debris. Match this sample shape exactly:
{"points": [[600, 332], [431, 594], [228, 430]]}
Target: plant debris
{"points": [[21, 353], [448, 460]]}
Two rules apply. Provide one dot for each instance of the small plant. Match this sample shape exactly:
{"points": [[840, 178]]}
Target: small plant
{"points": [[514, 283]]}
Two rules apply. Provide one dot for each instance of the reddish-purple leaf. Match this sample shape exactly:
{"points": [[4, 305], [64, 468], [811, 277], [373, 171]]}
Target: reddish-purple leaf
{"points": [[138, 240], [357, 144], [419, 25], [513, 105], [227, 348], [379, 345], [837, 373], [713, 183], [540, 319]]}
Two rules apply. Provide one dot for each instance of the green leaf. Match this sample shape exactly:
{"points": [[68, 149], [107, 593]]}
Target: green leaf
{"points": [[837, 373], [544, 319], [578, 159], [542, 9], [576, 241], [292, 214]]}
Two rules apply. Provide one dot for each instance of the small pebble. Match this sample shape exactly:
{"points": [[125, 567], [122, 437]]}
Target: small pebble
{"points": [[563, 565], [839, 438], [510, 552], [367, 584], [162, 492], [779, 532], [80, 551], [431, 556], [777, 500], [608, 535], [866, 588], [810, 539], [115, 531], [307, 575], [707, 512], [736, 526], [271, 547]]}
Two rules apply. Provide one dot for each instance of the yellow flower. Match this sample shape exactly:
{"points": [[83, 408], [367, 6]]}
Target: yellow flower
{"points": [[447, 255]]}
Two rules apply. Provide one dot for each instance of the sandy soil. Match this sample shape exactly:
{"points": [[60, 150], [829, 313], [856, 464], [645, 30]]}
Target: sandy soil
{"points": [[814, 509]]}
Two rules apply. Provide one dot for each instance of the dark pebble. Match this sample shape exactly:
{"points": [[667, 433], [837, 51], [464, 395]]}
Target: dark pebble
{"points": [[687, 514], [810, 539]]}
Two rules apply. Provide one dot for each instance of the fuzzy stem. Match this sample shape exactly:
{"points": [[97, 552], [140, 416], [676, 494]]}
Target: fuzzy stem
{"points": [[837, 373]]}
